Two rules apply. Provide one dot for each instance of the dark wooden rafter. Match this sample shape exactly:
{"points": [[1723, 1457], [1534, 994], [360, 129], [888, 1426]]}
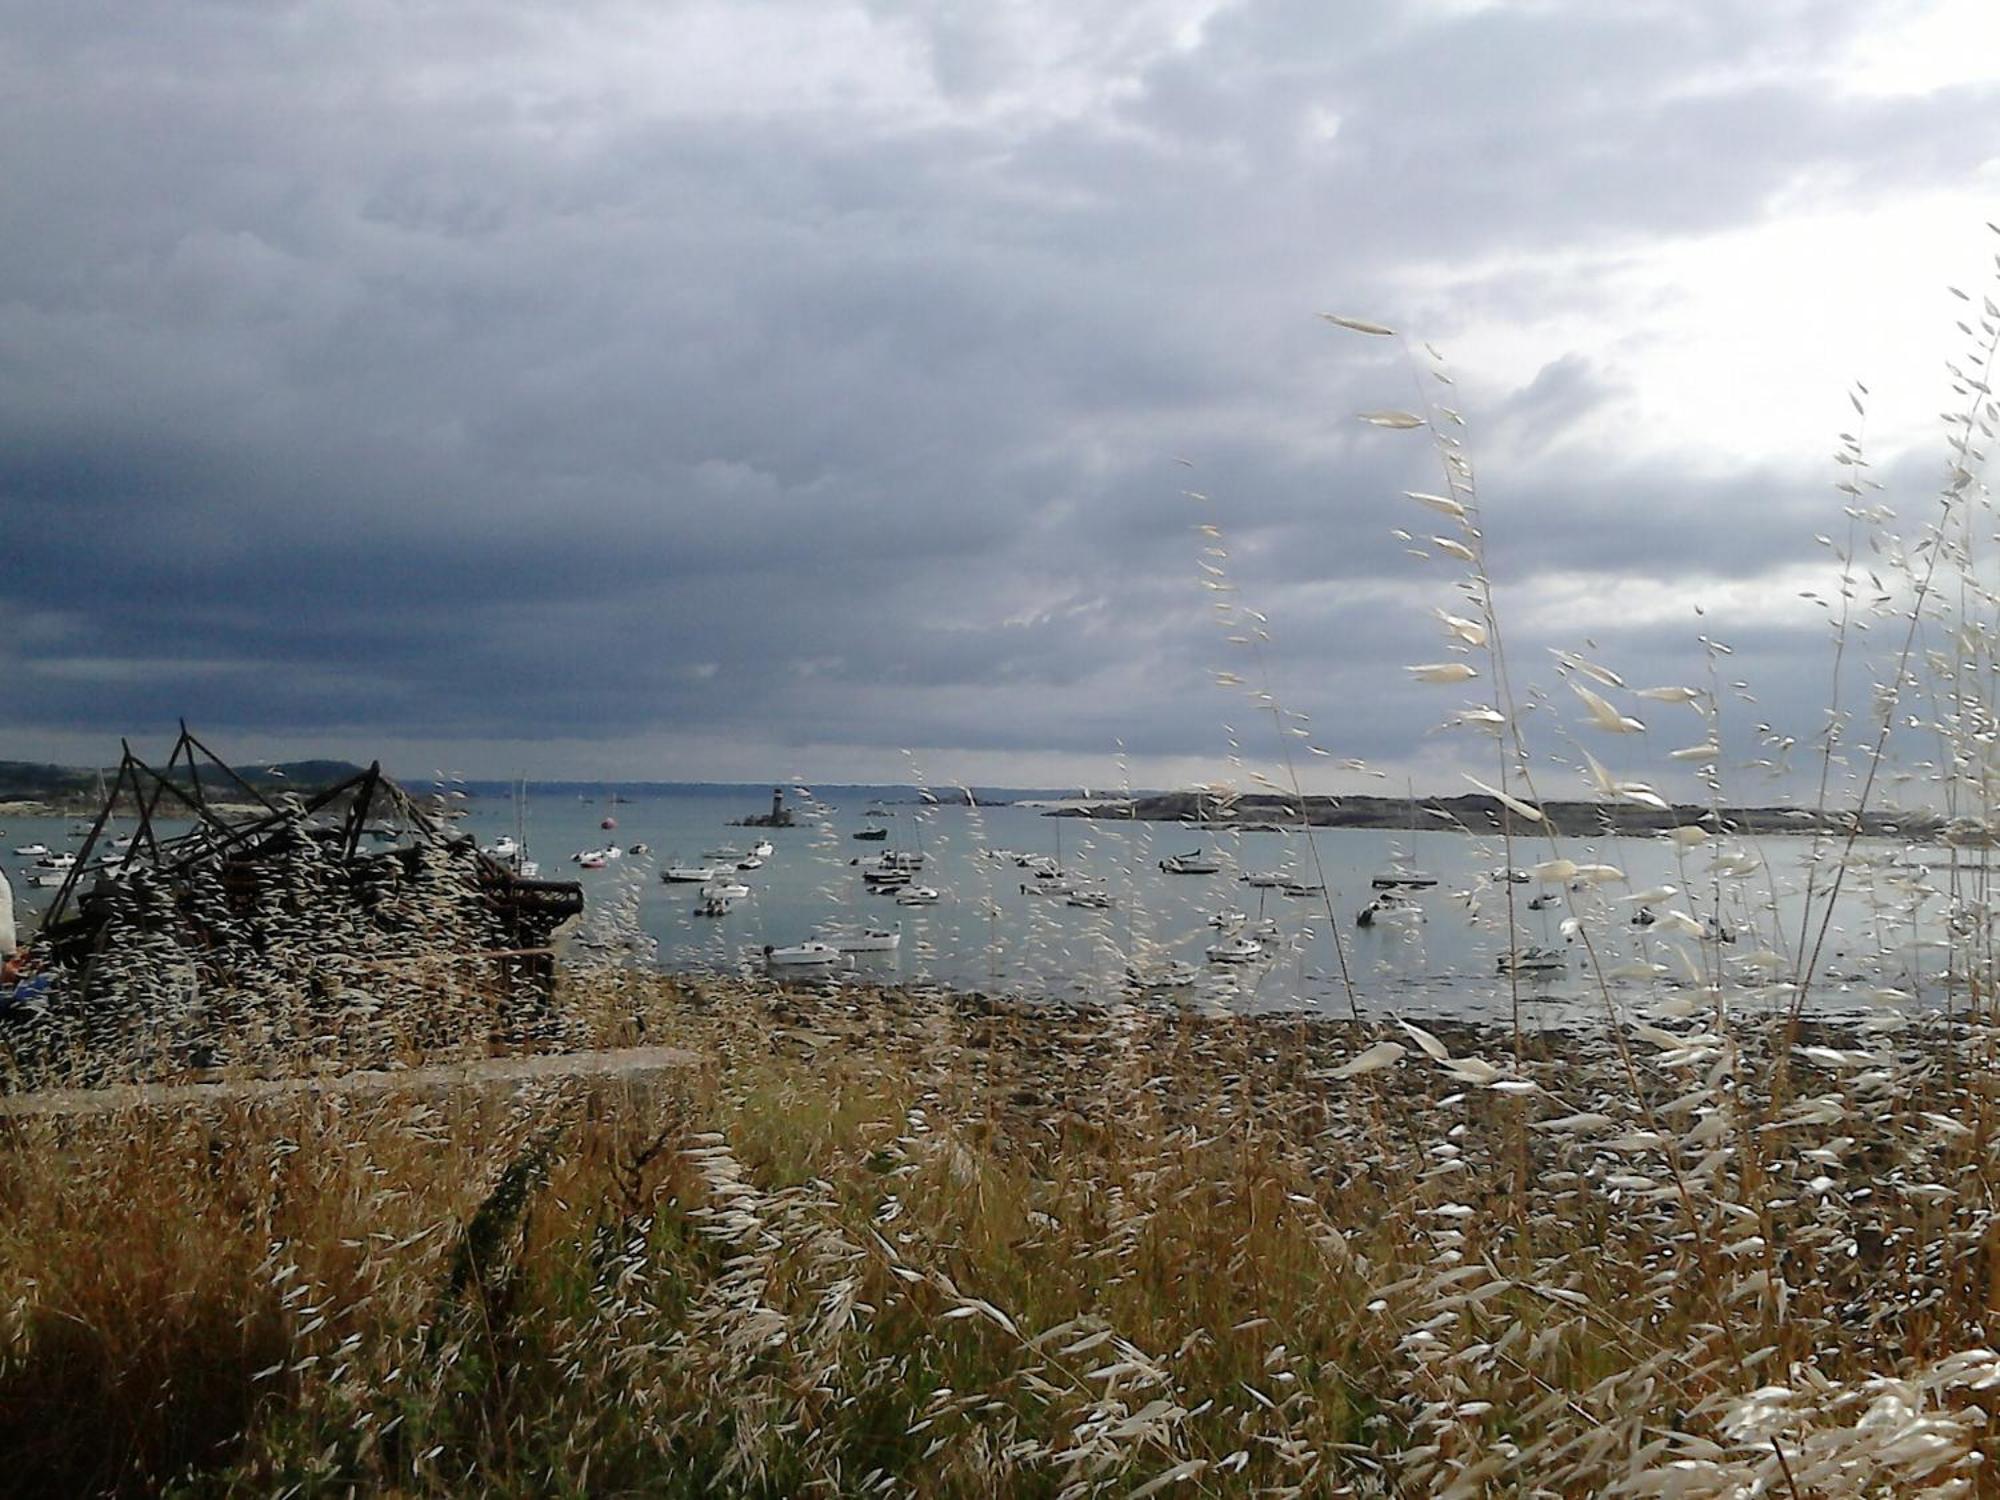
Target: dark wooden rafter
{"points": [[528, 911], [224, 767], [213, 832], [70, 878]]}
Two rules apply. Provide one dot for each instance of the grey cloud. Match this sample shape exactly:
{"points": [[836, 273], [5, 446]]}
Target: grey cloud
{"points": [[387, 378]]}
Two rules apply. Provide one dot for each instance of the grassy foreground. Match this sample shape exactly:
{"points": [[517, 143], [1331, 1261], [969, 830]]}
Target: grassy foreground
{"points": [[881, 1243]]}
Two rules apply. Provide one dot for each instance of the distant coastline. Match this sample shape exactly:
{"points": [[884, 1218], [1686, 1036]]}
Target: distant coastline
{"points": [[1477, 813], [29, 789]]}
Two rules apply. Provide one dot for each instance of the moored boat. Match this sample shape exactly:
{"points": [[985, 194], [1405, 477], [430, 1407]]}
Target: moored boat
{"points": [[810, 954], [1397, 877], [678, 874], [1389, 907], [1194, 862], [1235, 950], [860, 939], [1531, 960]]}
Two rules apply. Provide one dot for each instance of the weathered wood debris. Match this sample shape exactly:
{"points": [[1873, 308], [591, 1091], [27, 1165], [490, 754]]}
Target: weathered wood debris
{"points": [[348, 926]]}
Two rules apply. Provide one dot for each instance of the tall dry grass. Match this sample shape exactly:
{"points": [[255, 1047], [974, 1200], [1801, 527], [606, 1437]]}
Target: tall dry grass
{"points": [[902, 1244]]}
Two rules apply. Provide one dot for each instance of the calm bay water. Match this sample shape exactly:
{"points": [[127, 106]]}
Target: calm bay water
{"points": [[990, 934]]}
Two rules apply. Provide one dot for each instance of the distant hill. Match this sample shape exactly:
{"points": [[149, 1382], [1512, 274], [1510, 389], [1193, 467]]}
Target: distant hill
{"points": [[76, 787], [296, 774]]}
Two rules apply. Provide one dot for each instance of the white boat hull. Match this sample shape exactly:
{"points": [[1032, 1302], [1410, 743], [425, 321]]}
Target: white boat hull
{"points": [[809, 955]]}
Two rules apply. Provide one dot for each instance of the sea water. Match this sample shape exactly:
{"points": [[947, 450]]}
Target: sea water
{"points": [[991, 931]]}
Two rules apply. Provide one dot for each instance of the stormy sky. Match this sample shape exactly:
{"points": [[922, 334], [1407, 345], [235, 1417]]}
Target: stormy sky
{"points": [[727, 391]]}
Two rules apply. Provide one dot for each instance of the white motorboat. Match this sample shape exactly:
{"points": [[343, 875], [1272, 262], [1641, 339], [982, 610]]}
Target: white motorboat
{"points": [[861, 939], [1531, 961], [1228, 919], [724, 855], [810, 954], [877, 878], [1263, 878], [917, 895], [31, 851], [1303, 888], [692, 874], [762, 849], [1095, 900], [47, 878], [503, 847], [1236, 950], [1194, 862], [726, 890], [750, 862], [55, 862]]}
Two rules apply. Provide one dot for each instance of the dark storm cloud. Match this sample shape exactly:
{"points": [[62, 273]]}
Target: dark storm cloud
{"points": [[471, 374]]}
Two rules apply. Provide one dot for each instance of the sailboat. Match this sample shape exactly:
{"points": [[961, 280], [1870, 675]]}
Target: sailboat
{"points": [[1401, 876], [524, 867]]}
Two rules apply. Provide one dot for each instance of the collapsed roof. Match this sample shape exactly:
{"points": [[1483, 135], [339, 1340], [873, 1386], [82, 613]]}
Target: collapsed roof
{"points": [[207, 921]]}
